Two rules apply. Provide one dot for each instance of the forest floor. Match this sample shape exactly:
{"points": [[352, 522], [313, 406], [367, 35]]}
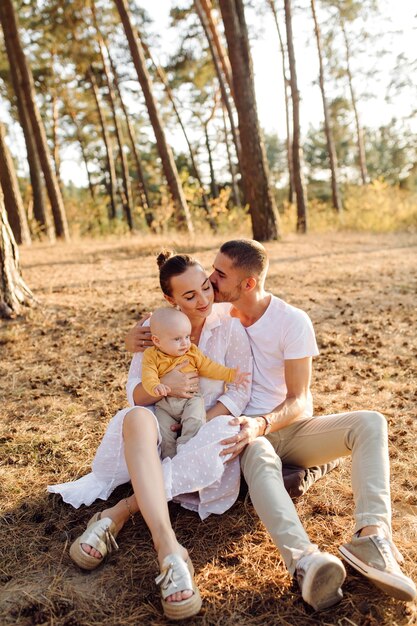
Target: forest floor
{"points": [[62, 374]]}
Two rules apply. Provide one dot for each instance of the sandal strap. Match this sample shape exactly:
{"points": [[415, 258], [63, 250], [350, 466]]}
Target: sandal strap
{"points": [[101, 536], [175, 576]]}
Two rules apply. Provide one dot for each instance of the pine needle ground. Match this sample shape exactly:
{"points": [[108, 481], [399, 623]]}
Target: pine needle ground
{"points": [[63, 370]]}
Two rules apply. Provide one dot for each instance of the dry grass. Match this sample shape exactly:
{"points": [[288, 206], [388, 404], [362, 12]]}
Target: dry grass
{"points": [[63, 369]]}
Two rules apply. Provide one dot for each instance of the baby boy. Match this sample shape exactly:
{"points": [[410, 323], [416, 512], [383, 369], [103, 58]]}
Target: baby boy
{"points": [[170, 333]]}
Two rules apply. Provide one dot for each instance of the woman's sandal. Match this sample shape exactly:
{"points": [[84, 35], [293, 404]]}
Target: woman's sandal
{"points": [[101, 535], [178, 575]]}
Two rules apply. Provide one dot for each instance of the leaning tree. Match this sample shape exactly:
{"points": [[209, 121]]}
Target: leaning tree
{"points": [[14, 293]]}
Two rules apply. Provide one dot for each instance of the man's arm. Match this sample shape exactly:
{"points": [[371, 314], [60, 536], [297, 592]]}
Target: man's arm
{"points": [[297, 379]]}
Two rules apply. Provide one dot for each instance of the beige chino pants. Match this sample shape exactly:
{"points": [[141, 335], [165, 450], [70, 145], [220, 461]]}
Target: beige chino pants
{"points": [[315, 441]]}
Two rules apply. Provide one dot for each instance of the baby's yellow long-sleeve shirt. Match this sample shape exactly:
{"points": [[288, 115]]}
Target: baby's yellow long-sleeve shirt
{"points": [[156, 363]]}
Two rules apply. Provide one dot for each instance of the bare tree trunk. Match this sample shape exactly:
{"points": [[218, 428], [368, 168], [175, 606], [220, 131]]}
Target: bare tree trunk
{"points": [[170, 170], [337, 202], [142, 187], [80, 140], [359, 130], [220, 77], [112, 185], [296, 146], [207, 7], [127, 199], [14, 293], [14, 203], [254, 167], [56, 157], [213, 185], [163, 78], [235, 187], [40, 209], [291, 186], [12, 40]]}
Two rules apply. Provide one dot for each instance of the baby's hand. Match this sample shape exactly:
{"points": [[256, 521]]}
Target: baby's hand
{"points": [[161, 390], [241, 378]]}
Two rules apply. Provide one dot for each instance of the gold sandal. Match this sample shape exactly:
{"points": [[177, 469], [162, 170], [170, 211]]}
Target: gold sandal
{"points": [[178, 575], [101, 535]]}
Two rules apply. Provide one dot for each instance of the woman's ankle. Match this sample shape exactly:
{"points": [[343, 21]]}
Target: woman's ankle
{"points": [[167, 543], [118, 513]]}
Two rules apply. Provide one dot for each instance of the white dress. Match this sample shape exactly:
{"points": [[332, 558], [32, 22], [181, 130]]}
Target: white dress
{"points": [[197, 476]]}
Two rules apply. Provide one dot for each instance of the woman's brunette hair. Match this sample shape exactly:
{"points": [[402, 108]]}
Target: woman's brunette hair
{"points": [[171, 265]]}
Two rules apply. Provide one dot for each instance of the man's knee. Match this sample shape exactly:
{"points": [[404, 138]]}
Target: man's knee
{"points": [[258, 456], [372, 425]]}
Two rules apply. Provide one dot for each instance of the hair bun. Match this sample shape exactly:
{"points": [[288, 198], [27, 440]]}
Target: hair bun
{"points": [[163, 257]]}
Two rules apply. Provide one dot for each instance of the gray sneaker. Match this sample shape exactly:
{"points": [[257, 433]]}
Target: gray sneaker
{"points": [[373, 557], [320, 576]]}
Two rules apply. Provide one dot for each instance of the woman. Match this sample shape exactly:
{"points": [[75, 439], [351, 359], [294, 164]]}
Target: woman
{"points": [[129, 449]]}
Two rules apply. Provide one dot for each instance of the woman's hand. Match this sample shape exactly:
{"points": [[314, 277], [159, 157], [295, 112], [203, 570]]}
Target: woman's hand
{"points": [[183, 384], [139, 337], [250, 429], [242, 379]]}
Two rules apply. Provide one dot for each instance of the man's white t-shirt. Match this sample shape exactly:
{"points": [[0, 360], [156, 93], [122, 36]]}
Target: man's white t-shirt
{"points": [[282, 333]]}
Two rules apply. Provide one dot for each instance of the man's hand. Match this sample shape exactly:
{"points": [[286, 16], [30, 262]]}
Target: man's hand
{"points": [[139, 337], [250, 429], [182, 384], [161, 390]]}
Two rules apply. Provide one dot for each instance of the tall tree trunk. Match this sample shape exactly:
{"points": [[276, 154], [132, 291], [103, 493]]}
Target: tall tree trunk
{"points": [[12, 40], [13, 200], [111, 184], [14, 293], [359, 130], [235, 186], [207, 7], [220, 77], [337, 202], [142, 186], [254, 167], [127, 199], [55, 141], [291, 186], [40, 210], [164, 80], [80, 140], [296, 146], [213, 185], [182, 212]]}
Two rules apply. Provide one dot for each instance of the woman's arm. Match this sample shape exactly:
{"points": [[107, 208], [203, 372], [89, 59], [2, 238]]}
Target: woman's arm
{"points": [[238, 355], [217, 409]]}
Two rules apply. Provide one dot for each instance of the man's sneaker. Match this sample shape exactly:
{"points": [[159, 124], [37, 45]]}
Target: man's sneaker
{"points": [[373, 556], [320, 576]]}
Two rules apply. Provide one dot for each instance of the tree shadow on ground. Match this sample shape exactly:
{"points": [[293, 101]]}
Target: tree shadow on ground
{"points": [[230, 553]]}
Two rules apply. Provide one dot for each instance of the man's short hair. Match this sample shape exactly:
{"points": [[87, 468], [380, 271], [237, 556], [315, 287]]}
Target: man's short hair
{"points": [[247, 254]]}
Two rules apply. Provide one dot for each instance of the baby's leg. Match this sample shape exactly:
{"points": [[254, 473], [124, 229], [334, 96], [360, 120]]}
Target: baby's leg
{"points": [[167, 416], [193, 417]]}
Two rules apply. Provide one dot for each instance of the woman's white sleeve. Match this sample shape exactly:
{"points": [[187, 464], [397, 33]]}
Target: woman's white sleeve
{"points": [[238, 354], [134, 376]]}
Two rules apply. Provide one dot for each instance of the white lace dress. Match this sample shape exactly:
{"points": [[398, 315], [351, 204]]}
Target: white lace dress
{"points": [[197, 477]]}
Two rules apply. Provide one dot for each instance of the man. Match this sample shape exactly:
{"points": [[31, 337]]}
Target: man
{"points": [[279, 427]]}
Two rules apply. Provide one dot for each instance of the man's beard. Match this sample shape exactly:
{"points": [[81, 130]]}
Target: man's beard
{"points": [[226, 296]]}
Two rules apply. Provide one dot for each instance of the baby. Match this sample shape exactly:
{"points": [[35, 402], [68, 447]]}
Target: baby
{"points": [[170, 333]]}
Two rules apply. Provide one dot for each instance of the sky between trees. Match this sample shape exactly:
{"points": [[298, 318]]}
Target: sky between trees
{"points": [[395, 30]]}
